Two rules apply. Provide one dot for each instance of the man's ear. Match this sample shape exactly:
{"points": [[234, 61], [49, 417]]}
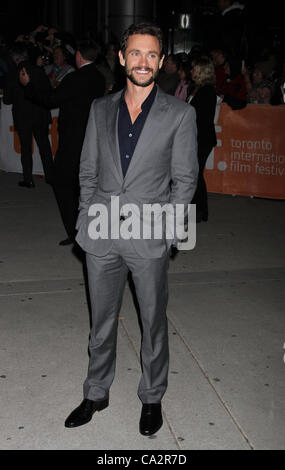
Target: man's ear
{"points": [[161, 61], [122, 60]]}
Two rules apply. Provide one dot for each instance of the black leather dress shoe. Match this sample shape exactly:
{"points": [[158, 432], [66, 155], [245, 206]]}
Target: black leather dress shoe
{"points": [[83, 414], [151, 419], [68, 241], [26, 184]]}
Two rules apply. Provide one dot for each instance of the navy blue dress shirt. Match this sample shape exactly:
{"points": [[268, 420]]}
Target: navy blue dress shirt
{"points": [[129, 132]]}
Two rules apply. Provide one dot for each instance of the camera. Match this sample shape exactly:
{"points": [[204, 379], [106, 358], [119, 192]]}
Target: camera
{"points": [[45, 59]]}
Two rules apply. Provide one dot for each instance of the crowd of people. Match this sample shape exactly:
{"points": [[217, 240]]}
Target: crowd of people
{"points": [[237, 83], [37, 83], [54, 51], [52, 60]]}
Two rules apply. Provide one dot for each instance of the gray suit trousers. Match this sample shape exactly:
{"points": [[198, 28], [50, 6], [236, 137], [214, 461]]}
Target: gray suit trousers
{"points": [[107, 277]]}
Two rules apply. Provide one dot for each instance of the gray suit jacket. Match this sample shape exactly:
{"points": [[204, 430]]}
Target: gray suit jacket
{"points": [[164, 167]]}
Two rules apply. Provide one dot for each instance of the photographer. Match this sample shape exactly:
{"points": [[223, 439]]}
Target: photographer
{"points": [[61, 66], [29, 117], [42, 53], [73, 96]]}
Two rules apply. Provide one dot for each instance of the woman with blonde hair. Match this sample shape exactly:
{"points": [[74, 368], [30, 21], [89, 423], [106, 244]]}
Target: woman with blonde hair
{"points": [[204, 100]]}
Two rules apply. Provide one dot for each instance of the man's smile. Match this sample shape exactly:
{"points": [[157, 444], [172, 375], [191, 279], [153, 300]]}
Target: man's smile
{"points": [[142, 71]]}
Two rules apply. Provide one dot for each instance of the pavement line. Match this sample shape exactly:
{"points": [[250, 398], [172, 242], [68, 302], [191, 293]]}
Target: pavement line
{"points": [[18, 207], [138, 359], [246, 438], [220, 281], [52, 279], [63, 291], [171, 283], [182, 277]]}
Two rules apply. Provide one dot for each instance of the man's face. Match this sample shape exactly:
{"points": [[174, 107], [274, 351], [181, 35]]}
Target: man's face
{"points": [[257, 76], [264, 93], [227, 68], [142, 59], [58, 58]]}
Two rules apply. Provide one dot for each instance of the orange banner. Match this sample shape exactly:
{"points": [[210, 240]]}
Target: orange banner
{"points": [[250, 157]]}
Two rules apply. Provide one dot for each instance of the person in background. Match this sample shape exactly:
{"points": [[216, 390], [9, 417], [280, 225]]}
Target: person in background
{"points": [[73, 97], [219, 60], [265, 93], [113, 63], [112, 56], [29, 118], [168, 79], [105, 70], [184, 73], [204, 100], [3, 73], [270, 65], [259, 89], [234, 91], [51, 39], [61, 67]]}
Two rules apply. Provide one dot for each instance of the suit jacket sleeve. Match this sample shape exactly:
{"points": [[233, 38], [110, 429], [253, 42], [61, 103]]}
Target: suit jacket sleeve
{"points": [[12, 82], [184, 166], [184, 163], [39, 76], [88, 176], [54, 98]]}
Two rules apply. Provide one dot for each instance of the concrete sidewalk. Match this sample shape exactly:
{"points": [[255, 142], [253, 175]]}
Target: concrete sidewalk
{"points": [[226, 329]]}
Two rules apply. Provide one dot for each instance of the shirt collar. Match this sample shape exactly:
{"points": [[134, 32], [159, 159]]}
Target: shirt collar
{"points": [[235, 6], [84, 65], [147, 102]]}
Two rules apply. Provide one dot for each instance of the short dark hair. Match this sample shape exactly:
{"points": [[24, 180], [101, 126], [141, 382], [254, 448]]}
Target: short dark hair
{"points": [[89, 50], [186, 67], [142, 28]]}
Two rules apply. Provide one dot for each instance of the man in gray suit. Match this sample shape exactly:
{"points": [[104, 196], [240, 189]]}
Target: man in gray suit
{"points": [[140, 148]]}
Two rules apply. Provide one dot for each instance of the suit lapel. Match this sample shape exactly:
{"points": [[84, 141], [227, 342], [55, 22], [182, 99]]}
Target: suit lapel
{"points": [[150, 130], [112, 115]]}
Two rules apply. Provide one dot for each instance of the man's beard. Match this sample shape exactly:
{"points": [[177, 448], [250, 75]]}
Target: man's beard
{"points": [[132, 78]]}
